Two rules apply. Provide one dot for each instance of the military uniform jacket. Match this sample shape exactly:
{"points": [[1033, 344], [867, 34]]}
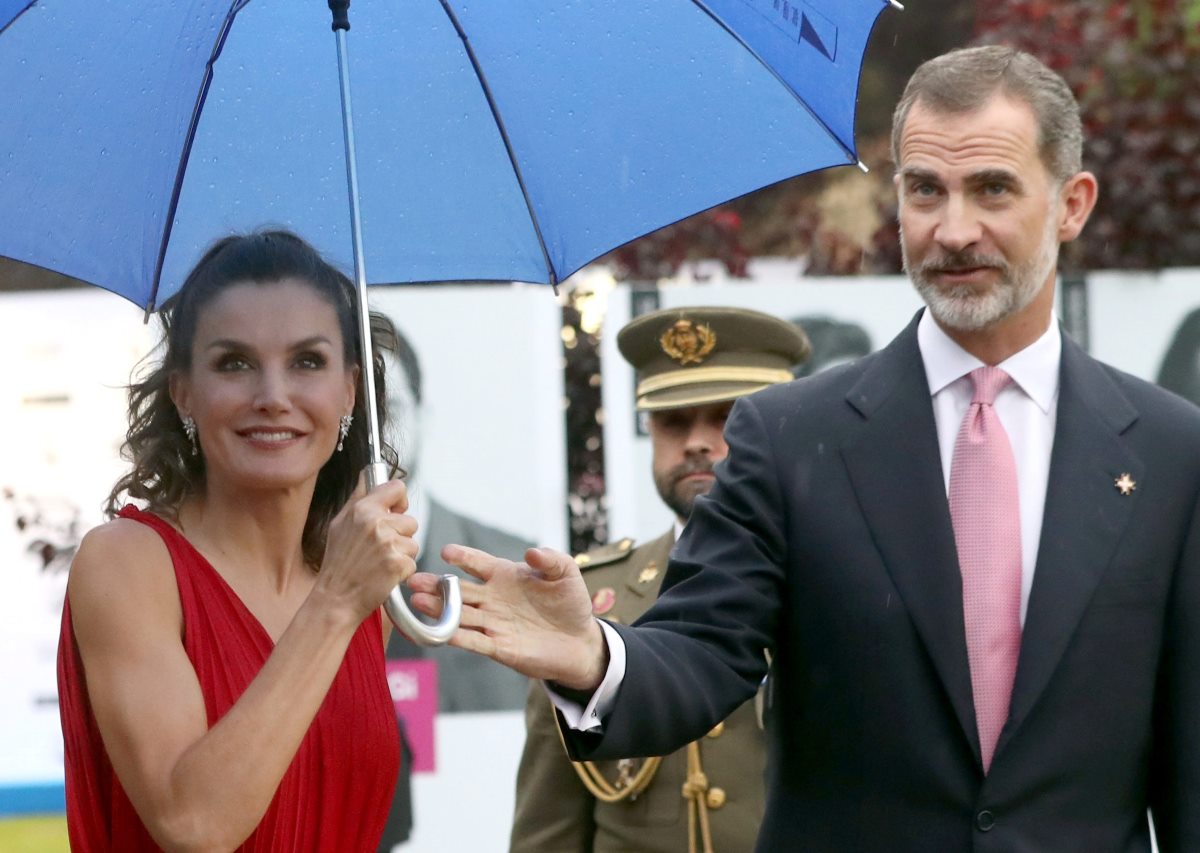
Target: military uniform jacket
{"points": [[556, 812]]}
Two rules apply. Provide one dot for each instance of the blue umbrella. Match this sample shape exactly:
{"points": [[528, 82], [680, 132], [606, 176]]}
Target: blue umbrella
{"points": [[503, 140], [510, 140]]}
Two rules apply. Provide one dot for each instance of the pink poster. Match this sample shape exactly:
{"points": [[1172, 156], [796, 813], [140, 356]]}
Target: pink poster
{"points": [[414, 688]]}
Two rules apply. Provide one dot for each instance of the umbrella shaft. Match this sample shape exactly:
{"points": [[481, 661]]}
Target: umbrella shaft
{"points": [[397, 610], [360, 271]]}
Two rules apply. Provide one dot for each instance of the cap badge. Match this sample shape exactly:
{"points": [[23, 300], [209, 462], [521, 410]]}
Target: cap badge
{"points": [[688, 342], [1125, 485], [603, 600]]}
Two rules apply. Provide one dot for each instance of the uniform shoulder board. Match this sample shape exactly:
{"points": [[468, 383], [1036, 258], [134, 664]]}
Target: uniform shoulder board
{"points": [[605, 554]]}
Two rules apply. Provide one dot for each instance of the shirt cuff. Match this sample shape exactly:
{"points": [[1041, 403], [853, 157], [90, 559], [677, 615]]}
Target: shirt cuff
{"points": [[591, 717]]}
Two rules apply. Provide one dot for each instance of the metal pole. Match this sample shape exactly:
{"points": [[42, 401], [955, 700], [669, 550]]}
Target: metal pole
{"points": [[374, 443], [1075, 307], [397, 608]]}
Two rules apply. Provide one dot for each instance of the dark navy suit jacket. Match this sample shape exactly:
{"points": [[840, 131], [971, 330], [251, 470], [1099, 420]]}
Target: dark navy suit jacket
{"points": [[827, 539]]}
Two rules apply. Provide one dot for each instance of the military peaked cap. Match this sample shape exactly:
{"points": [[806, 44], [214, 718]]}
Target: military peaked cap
{"points": [[694, 356]]}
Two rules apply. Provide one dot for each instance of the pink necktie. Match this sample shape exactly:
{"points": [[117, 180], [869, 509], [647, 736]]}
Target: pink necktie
{"points": [[985, 512]]}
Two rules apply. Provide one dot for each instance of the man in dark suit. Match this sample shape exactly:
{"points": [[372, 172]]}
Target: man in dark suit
{"points": [[975, 554]]}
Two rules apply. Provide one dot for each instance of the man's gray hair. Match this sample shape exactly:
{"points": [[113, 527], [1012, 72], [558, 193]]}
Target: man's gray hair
{"points": [[961, 81]]}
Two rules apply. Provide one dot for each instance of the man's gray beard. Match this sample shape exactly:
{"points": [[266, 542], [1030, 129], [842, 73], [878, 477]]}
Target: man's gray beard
{"points": [[967, 310]]}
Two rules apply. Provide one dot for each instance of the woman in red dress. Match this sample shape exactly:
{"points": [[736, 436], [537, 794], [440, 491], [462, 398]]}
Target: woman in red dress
{"points": [[221, 669]]}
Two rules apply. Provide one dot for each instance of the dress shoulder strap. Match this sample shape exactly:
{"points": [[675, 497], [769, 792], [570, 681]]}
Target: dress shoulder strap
{"points": [[189, 565]]}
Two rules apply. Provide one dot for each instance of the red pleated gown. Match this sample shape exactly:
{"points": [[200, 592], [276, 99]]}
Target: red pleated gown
{"points": [[336, 793]]}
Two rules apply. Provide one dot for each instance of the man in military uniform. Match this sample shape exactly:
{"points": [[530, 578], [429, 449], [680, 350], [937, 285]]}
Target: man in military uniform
{"points": [[691, 364]]}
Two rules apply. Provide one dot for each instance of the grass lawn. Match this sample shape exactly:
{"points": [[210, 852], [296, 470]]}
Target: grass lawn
{"points": [[40, 834]]}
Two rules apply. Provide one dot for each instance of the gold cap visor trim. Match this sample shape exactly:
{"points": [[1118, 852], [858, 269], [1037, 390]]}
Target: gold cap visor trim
{"points": [[695, 375]]}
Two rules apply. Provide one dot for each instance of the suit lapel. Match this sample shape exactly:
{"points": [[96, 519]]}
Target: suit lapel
{"points": [[896, 471], [1084, 518]]}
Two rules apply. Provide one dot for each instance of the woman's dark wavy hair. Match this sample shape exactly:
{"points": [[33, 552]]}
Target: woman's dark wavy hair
{"points": [[165, 472]]}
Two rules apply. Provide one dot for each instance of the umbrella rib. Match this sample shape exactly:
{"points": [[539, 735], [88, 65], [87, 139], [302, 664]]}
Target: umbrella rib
{"points": [[703, 6], [508, 148], [186, 151], [28, 6]]}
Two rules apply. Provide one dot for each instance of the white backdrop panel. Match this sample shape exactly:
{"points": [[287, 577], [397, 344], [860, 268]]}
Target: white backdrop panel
{"points": [[493, 448]]}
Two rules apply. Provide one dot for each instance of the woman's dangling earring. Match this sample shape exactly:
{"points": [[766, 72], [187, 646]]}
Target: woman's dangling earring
{"points": [[189, 429], [344, 429]]}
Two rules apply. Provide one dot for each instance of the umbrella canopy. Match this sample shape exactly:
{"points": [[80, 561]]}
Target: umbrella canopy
{"points": [[512, 140]]}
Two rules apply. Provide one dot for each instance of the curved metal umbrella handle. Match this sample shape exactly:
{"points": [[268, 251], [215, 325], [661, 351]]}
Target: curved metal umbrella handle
{"points": [[419, 632]]}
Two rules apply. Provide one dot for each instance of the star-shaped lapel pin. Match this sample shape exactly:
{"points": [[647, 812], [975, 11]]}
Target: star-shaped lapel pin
{"points": [[1125, 484]]}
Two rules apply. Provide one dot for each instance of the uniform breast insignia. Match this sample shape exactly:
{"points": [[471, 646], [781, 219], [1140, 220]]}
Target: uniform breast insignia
{"points": [[687, 342], [626, 772], [649, 573], [605, 554], [603, 600]]}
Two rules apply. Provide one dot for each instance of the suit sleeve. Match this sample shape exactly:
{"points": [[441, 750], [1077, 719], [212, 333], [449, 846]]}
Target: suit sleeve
{"points": [[1175, 781], [554, 811], [697, 654]]}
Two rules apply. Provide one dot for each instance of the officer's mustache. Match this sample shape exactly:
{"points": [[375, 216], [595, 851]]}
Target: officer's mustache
{"points": [[684, 469]]}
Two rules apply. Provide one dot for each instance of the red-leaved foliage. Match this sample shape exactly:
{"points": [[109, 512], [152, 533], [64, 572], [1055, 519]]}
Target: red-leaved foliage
{"points": [[1134, 65]]}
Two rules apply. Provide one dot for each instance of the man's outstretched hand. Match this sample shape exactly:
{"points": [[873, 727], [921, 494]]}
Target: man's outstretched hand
{"points": [[534, 617]]}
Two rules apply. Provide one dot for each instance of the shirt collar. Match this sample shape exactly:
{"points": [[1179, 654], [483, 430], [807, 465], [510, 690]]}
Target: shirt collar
{"points": [[1035, 369]]}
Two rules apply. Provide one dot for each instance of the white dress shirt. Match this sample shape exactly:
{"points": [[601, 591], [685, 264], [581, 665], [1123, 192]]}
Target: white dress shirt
{"points": [[1028, 410]]}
